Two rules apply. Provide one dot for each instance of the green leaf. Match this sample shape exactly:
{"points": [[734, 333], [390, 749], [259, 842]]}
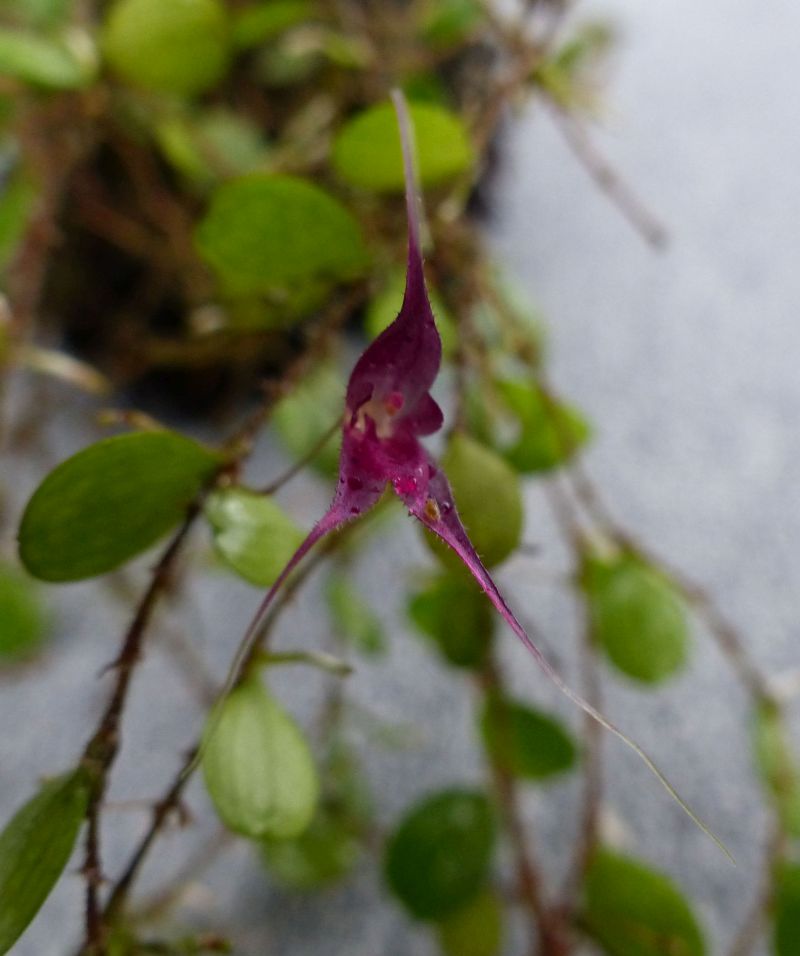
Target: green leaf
{"points": [[258, 768], [384, 307], [22, 619], [526, 742], [549, 432], [256, 24], [180, 46], [353, 618], [42, 62], [366, 152], [17, 202], [474, 930], [777, 765], [305, 415], [323, 854], [455, 613], [438, 857], [111, 501], [265, 233], [252, 534], [638, 617], [786, 930], [632, 910], [488, 498], [35, 846], [452, 22]]}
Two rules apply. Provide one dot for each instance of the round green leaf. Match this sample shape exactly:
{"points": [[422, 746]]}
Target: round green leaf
{"points": [[489, 500], [322, 854], [367, 153], [637, 617], [786, 930], [252, 534], [632, 910], [474, 930], [526, 742], [35, 846], [549, 432], [384, 307], [22, 618], [169, 46], [265, 233], [42, 62], [305, 415], [258, 768], [455, 613], [438, 858], [263, 21], [110, 502], [777, 766]]}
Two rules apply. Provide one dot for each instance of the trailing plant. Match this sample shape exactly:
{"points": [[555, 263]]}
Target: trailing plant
{"points": [[201, 211]]}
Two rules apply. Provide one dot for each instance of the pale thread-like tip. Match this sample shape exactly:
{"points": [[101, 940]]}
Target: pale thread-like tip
{"points": [[410, 176]]}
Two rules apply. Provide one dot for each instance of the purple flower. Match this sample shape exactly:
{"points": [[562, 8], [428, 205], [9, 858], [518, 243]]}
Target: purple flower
{"points": [[388, 408]]}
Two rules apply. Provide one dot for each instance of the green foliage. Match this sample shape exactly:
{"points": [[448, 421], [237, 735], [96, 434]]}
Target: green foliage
{"points": [[632, 910], [777, 766], [353, 618], [384, 307], [260, 22], [474, 930], [637, 617], [546, 433], [526, 742], [258, 768], [366, 152], [786, 929], [451, 22], [322, 854], [438, 858], [109, 502], [304, 416], [489, 500], [41, 61], [455, 613], [179, 46], [17, 203], [265, 233], [22, 618], [252, 534], [35, 846]]}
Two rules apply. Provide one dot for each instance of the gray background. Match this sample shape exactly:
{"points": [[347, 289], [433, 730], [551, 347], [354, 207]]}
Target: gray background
{"points": [[685, 361]]}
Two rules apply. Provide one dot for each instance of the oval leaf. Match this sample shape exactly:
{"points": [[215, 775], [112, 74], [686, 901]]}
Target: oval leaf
{"points": [[35, 847], [367, 154], [489, 500], [777, 766], [438, 858], [786, 932], [252, 534], [176, 47], [304, 416], [258, 768], [265, 233], [454, 612], [631, 910], [22, 618], [637, 617], [41, 62], [526, 742], [475, 930], [110, 502], [261, 22], [352, 617], [322, 854]]}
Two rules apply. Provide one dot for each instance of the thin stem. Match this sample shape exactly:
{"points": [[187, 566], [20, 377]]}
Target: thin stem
{"points": [[301, 463]]}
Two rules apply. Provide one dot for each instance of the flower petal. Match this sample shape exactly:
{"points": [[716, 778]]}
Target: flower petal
{"points": [[437, 511], [406, 356]]}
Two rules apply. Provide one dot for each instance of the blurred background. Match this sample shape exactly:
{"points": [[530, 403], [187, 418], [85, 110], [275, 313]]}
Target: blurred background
{"points": [[684, 358]]}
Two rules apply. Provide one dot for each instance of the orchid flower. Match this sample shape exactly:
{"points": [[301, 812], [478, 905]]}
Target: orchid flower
{"points": [[388, 408]]}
